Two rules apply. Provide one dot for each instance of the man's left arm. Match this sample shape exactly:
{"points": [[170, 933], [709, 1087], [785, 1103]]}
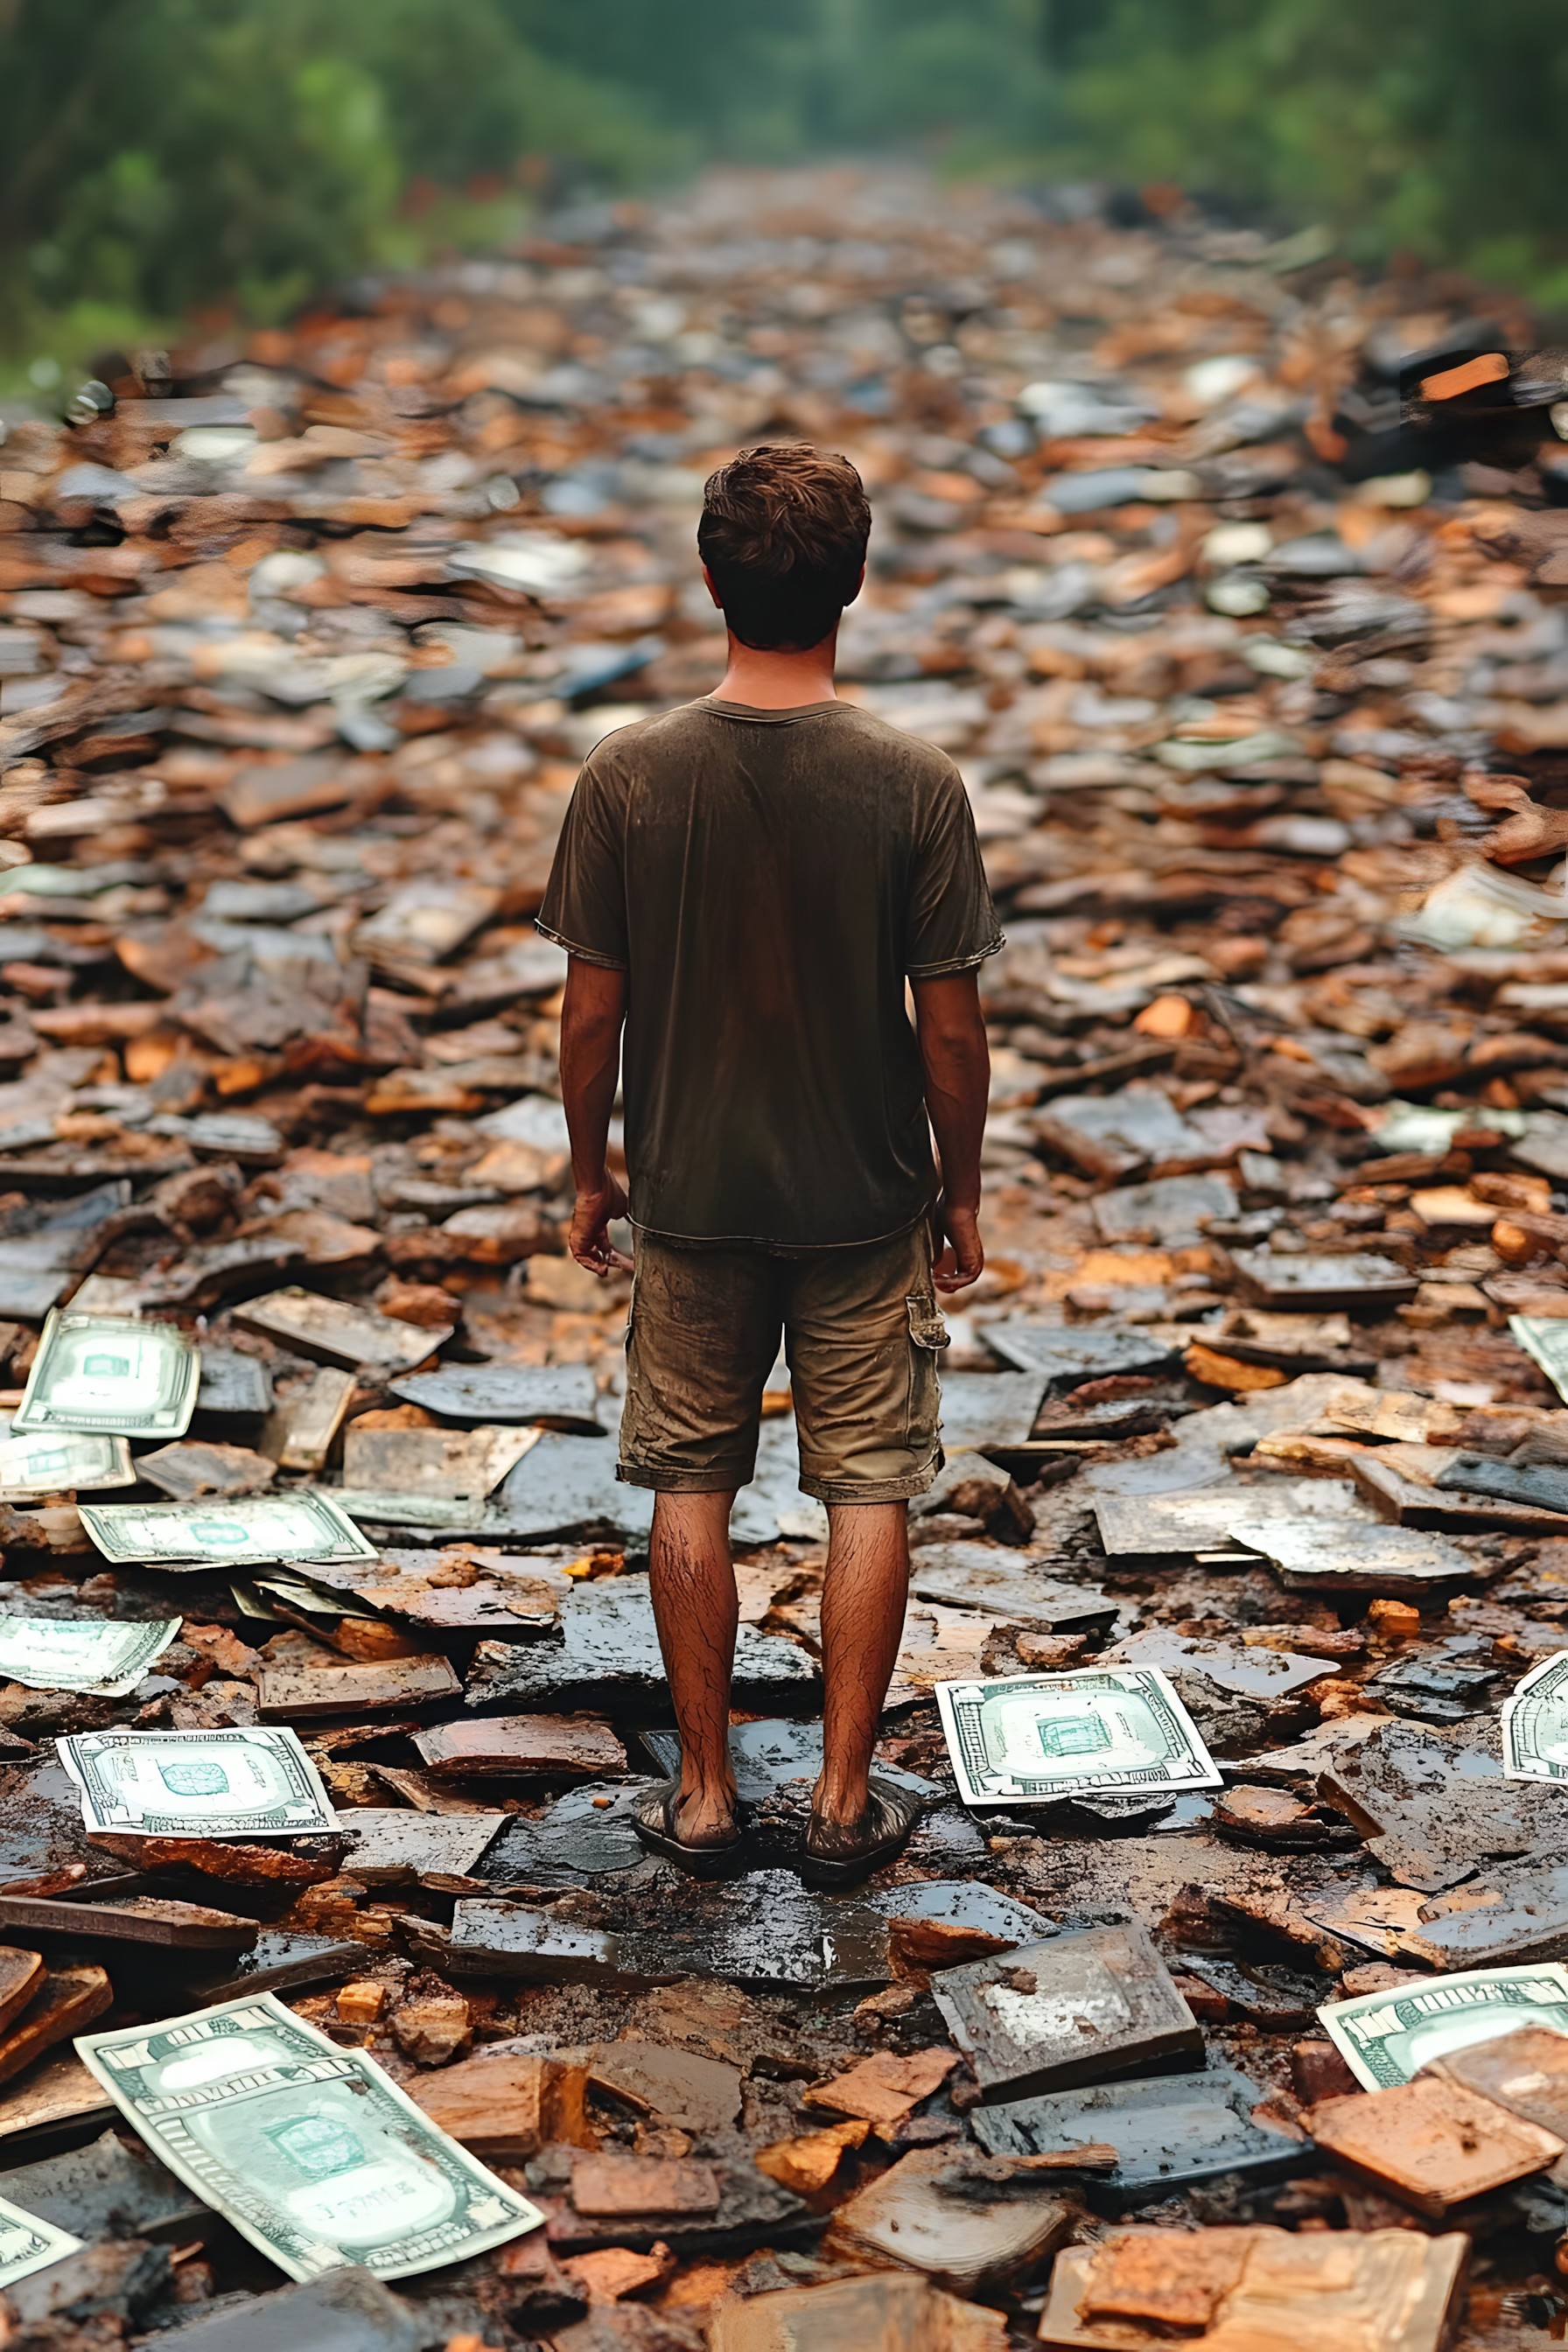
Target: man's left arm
{"points": [[957, 1058], [592, 1015]]}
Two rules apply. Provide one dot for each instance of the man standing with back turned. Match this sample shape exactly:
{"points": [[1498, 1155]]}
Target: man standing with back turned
{"points": [[745, 885]]}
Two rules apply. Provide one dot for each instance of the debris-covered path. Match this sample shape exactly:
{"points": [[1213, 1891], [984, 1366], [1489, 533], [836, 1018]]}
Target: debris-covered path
{"points": [[327, 1669]]}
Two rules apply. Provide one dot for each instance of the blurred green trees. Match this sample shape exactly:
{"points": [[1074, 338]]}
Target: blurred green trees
{"points": [[158, 154], [1426, 124]]}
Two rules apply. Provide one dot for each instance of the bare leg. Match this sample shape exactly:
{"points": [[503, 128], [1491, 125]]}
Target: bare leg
{"points": [[863, 1601], [693, 1579]]}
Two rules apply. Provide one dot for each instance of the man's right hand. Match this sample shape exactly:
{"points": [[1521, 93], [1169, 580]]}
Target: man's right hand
{"points": [[589, 1240], [957, 1255]]}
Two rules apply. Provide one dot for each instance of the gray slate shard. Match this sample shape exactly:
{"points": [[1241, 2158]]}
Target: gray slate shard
{"points": [[1254, 1673], [1505, 1918], [1010, 1584], [344, 2310], [1120, 1135], [578, 1841], [766, 1755], [980, 1409], [1327, 1556], [1076, 2008], [1508, 1482], [567, 1485], [1200, 1518], [1169, 2134], [280, 1960], [1172, 1208], [110, 2188], [558, 1396], [1313, 1284], [608, 1656], [1434, 1804], [1069, 1353]]}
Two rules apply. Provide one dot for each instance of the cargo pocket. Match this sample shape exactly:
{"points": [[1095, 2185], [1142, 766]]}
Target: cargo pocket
{"points": [[928, 1337]]}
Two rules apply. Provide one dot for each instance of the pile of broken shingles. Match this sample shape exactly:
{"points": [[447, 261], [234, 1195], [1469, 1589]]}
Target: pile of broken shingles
{"points": [[1231, 581]]}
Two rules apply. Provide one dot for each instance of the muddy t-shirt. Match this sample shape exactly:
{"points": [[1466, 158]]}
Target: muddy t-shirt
{"points": [[766, 879]]}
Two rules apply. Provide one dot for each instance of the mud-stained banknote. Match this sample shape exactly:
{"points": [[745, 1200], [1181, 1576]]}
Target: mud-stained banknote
{"points": [[1103, 1731], [254, 1781], [68, 1653], [111, 1373], [1385, 2038], [311, 2152], [238, 1532]]}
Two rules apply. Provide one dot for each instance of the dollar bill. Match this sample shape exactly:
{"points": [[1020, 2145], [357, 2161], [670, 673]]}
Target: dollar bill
{"points": [[1385, 2038], [1535, 1724], [71, 1462], [68, 1654], [241, 1531], [255, 1780], [111, 1373], [1106, 1730], [28, 2244], [309, 2151]]}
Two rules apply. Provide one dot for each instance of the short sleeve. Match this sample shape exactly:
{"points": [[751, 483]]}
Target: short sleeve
{"points": [[953, 924], [585, 907]]}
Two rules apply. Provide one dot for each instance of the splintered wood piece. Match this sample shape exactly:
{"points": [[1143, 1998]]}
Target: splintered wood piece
{"points": [[298, 1432], [574, 1747], [57, 2091], [606, 2187], [65, 2004], [885, 2088], [284, 1696], [1431, 2143], [140, 1919], [507, 2105], [240, 1865], [807, 2164], [21, 1972], [1334, 2291]]}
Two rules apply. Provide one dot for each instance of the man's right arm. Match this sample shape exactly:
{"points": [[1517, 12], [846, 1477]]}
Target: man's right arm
{"points": [[592, 1015], [957, 1061]]}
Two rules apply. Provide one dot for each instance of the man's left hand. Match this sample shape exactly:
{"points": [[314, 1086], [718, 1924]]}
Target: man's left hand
{"points": [[589, 1241], [958, 1257]]}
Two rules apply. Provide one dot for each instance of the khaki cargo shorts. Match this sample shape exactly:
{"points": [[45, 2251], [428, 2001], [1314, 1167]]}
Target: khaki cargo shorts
{"points": [[861, 1334]]}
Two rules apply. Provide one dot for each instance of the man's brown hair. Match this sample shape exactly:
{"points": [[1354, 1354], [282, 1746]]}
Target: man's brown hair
{"points": [[784, 534]]}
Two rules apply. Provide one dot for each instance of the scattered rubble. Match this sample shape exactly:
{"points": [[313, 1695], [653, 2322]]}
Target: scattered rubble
{"points": [[1234, 585]]}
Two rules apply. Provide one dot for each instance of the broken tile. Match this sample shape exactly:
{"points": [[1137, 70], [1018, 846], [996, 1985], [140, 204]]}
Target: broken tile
{"points": [[564, 1747], [392, 1687], [923, 2215], [1169, 2134], [555, 1396], [1381, 2291], [1433, 2143], [1076, 2008], [883, 2089], [880, 2312], [332, 1331]]}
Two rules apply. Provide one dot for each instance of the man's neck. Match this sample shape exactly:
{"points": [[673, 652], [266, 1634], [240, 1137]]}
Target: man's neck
{"points": [[779, 681]]}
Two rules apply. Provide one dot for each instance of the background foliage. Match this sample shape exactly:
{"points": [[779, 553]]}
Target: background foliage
{"points": [[159, 154]]}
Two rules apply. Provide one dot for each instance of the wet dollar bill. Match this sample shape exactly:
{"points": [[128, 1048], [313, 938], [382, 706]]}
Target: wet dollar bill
{"points": [[1385, 2038], [28, 2244], [75, 1654], [1535, 1724], [255, 1780], [110, 1373], [241, 1531], [66, 1462], [1104, 1731], [311, 2152]]}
